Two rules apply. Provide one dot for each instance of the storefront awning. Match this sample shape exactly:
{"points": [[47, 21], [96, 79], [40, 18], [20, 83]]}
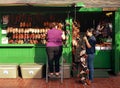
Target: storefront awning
{"points": [[40, 7], [43, 4], [61, 3]]}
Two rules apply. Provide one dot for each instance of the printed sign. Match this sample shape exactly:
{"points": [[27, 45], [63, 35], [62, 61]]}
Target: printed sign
{"points": [[5, 40]]}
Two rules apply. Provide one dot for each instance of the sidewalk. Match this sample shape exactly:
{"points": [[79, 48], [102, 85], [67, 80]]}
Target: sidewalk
{"points": [[111, 82]]}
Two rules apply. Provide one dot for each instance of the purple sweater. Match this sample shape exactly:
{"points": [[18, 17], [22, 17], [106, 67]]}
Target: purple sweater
{"points": [[54, 38]]}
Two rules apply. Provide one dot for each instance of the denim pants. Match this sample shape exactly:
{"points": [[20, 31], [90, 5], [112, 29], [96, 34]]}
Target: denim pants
{"points": [[54, 55], [90, 63]]}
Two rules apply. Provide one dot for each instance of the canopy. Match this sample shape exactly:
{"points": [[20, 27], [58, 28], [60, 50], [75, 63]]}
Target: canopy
{"points": [[87, 3], [46, 3]]}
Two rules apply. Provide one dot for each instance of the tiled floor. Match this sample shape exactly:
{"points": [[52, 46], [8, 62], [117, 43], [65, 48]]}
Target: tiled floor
{"points": [[111, 82]]}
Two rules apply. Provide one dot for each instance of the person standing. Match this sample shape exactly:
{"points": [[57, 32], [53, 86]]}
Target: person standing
{"points": [[90, 42], [54, 48]]}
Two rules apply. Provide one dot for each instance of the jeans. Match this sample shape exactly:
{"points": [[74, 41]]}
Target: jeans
{"points": [[90, 63], [54, 54]]}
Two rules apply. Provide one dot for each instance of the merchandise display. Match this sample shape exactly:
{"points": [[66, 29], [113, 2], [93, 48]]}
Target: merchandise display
{"points": [[27, 28]]}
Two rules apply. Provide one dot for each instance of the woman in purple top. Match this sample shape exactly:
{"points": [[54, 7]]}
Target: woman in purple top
{"points": [[54, 47]]}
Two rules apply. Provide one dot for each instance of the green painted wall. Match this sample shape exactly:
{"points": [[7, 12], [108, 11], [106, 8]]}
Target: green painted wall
{"points": [[28, 54], [16, 55], [89, 9], [116, 65], [103, 59]]}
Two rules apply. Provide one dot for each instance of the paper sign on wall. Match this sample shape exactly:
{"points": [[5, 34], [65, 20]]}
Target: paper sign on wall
{"points": [[5, 40]]}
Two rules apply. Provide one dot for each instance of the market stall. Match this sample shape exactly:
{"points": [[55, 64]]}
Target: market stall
{"points": [[23, 33], [23, 29], [103, 20]]}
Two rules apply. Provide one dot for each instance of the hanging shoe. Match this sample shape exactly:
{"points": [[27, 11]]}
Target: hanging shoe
{"points": [[88, 81]]}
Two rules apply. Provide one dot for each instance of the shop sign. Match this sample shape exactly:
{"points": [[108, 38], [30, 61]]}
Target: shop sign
{"points": [[110, 9], [5, 40], [4, 31]]}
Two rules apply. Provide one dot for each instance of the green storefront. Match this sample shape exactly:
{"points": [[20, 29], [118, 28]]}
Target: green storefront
{"points": [[35, 20], [31, 52]]}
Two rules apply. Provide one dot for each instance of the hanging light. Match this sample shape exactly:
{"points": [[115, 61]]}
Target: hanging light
{"points": [[109, 14]]}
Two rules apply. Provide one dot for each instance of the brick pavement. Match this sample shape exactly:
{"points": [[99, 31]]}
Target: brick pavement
{"points": [[111, 82]]}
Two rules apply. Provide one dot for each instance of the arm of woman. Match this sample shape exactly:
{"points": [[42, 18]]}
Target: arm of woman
{"points": [[63, 35], [86, 41]]}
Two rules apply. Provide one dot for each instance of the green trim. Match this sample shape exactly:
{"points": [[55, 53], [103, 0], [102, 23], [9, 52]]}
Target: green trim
{"points": [[118, 9], [80, 4], [16, 45], [116, 65], [89, 9]]}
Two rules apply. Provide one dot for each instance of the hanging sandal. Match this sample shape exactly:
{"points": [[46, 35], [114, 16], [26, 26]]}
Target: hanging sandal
{"points": [[88, 81]]}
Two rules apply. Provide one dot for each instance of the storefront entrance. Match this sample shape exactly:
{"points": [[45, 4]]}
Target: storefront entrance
{"points": [[102, 22]]}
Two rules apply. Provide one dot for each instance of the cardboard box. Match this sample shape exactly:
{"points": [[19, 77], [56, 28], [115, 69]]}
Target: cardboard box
{"points": [[31, 70], [66, 71], [8, 70]]}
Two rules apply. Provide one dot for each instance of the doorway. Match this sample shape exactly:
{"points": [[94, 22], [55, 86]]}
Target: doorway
{"points": [[97, 20]]}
